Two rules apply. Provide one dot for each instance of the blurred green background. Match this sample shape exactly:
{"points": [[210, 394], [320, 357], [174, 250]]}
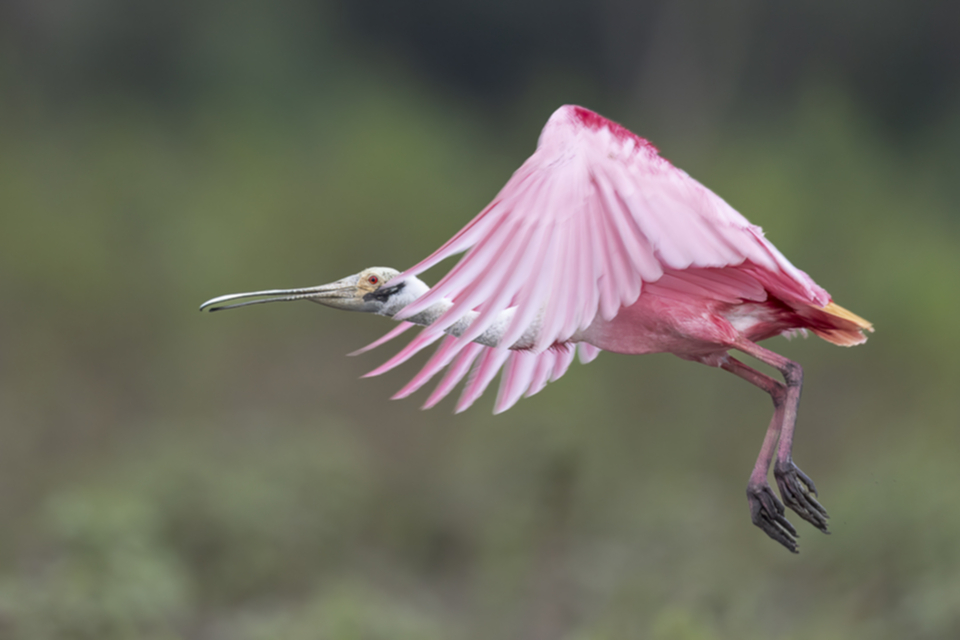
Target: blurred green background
{"points": [[165, 474]]}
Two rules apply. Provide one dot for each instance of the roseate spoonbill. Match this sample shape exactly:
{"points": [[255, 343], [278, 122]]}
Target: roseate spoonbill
{"points": [[599, 242]]}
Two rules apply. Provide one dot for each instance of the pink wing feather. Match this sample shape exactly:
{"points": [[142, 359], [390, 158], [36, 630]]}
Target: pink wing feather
{"points": [[589, 218]]}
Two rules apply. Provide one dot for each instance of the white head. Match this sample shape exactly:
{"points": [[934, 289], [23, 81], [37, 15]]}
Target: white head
{"points": [[369, 291]]}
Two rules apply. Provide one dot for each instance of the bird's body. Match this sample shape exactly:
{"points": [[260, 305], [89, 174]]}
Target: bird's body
{"points": [[598, 242], [679, 314]]}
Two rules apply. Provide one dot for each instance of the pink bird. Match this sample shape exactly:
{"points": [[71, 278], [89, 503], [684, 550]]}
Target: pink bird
{"points": [[597, 242]]}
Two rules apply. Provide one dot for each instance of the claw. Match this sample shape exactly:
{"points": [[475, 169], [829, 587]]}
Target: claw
{"points": [[799, 493], [767, 511]]}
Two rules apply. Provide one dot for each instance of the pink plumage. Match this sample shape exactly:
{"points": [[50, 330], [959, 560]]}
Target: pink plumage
{"points": [[598, 240]]}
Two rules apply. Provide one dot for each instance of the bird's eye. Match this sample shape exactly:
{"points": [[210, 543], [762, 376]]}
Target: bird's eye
{"points": [[373, 279]]}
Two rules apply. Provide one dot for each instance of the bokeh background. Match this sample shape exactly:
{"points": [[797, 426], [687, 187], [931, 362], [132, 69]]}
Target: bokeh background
{"points": [[166, 474]]}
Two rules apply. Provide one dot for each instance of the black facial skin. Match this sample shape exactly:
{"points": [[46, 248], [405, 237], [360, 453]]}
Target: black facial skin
{"points": [[383, 293]]}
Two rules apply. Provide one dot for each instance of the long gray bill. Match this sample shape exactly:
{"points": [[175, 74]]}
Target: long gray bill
{"points": [[272, 295]]}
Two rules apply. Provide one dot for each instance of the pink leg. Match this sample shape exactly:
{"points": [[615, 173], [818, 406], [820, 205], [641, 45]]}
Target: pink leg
{"points": [[766, 510], [796, 489]]}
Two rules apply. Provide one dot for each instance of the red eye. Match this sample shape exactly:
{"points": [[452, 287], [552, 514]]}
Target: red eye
{"points": [[373, 279]]}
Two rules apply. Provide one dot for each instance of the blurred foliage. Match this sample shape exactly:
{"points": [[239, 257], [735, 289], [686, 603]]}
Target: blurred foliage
{"points": [[170, 475]]}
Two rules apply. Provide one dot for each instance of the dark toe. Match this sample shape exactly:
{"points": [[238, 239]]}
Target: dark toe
{"points": [[799, 493], [767, 511]]}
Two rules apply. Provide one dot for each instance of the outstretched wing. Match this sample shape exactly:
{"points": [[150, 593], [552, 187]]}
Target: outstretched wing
{"points": [[589, 218]]}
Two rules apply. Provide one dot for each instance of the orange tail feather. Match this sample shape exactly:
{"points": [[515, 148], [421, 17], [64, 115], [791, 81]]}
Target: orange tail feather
{"points": [[835, 324]]}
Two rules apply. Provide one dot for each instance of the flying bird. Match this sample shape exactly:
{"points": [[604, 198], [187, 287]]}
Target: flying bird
{"points": [[597, 243]]}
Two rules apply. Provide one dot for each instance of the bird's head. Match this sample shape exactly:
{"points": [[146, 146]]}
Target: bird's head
{"points": [[369, 291]]}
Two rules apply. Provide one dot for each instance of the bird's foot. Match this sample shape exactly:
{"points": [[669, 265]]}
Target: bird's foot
{"points": [[799, 493], [766, 511]]}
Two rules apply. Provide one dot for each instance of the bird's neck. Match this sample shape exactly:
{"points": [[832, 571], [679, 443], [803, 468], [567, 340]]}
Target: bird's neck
{"points": [[490, 337]]}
